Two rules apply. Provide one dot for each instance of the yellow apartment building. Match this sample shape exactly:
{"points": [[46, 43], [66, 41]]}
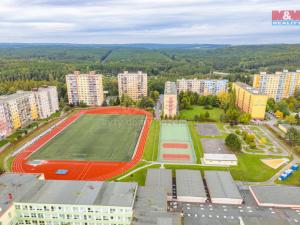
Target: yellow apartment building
{"points": [[250, 100], [170, 104], [278, 85]]}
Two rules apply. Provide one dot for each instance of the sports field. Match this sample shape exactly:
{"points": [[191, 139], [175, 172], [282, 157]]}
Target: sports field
{"points": [[95, 137], [176, 143]]}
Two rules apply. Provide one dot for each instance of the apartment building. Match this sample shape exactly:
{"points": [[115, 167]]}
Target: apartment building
{"points": [[27, 199], [86, 88], [133, 85], [20, 108], [47, 100], [5, 124], [278, 85], [202, 86], [250, 100], [170, 104]]}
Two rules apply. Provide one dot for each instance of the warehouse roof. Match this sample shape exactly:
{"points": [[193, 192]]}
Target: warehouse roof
{"points": [[190, 183], [264, 221], [164, 221], [170, 88], [221, 185], [159, 178], [223, 157], [277, 195]]}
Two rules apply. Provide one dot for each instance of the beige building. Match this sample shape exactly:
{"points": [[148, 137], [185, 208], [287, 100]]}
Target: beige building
{"points": [[86, 88], [170, 104], [47, 101], [250, 100], [202, 86], [132, 84], [278, 85], [19, 109]]}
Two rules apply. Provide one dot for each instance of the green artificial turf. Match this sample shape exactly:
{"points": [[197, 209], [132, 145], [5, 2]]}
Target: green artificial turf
{"points": [[95, 137]]}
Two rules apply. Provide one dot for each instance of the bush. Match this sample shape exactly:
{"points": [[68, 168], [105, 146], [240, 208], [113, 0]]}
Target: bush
{"points": [[233, 142], [297, 149], [238, 132], [209, 107], [252, 144]]}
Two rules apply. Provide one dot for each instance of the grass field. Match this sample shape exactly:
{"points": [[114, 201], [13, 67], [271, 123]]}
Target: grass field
{"points": [[189, 114], [95, 137], [151, 146]]}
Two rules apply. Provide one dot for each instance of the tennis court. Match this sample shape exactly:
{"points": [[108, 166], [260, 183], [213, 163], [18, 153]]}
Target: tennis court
{"points": [[176, 143]]}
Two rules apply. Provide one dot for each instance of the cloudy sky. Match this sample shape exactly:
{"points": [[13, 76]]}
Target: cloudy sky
{"points": [[145, 21]]}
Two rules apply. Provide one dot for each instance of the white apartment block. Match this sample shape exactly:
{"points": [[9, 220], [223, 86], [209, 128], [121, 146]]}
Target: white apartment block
{"points": [[47, 101], [170, 104], [5, 124], [202, 86], [87, 88], [133, 85], [27, 199]]}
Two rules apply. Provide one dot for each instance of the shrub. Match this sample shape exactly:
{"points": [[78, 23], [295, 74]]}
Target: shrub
{"points": [[238, 132], [233, 142]]}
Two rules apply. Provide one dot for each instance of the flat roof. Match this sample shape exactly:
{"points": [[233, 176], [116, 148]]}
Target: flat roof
{"points": [[16, 95], [159, 178], [190, 183], [221, 185], [264, 221], [29, 189], [277, 195], [164, 221], [249, 88], [220, 157], [170, 88]]}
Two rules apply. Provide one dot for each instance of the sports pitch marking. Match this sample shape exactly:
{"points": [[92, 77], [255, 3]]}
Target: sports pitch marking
{"points": [[80, 169], [175, 143]]}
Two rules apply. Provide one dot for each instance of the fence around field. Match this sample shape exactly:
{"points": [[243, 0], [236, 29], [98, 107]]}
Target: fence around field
{"points": [[176, 143]]}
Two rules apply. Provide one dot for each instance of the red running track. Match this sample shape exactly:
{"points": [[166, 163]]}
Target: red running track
{"points": [[175, 145], [83, 170]]}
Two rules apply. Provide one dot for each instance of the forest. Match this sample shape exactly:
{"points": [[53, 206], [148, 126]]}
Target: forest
{"points": [[24, 66]]}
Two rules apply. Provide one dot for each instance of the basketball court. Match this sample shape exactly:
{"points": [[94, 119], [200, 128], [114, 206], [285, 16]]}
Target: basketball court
{"points": [[176, 143]]}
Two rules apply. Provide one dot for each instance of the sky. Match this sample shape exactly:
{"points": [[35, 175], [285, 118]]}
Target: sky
{"points": [[145, 21]]}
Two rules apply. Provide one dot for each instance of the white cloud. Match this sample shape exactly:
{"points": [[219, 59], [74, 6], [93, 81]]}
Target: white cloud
{"points": [[128, 21]]}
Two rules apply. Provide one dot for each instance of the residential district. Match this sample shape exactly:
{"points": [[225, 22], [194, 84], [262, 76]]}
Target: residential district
{"points": [[216, 153]]}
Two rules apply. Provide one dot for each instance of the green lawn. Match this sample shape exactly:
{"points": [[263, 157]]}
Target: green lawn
{"points": [[196, 141], [95, 137], [189, 114], [151, 146]]}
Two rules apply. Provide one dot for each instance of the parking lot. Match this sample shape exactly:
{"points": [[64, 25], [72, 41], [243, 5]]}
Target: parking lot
{"points": [[206, 129], [214, 145]]}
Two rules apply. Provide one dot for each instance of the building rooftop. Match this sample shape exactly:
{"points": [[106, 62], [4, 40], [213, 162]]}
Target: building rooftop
{"points": [[263, 221], [190, 183], [164, 221], [277, 195], [170, 88], [160, 179], [249, 88], [14, 96], [221, 185], [223, 157], [26, 188]]}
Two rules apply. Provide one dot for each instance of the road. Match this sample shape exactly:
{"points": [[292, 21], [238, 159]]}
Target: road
{"points": [[158, 107]]}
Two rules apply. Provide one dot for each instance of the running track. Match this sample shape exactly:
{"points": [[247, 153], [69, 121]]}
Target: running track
{"points": [[83, 170]]}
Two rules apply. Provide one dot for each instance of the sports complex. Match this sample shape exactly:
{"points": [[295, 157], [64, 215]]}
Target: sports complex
{"points": [[92, 144]]}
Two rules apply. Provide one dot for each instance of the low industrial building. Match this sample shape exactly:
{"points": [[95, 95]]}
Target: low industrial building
{"points": [[220, 159], [190, 187], [276, 196], [26, 199], [222, 188], [160, 179]]}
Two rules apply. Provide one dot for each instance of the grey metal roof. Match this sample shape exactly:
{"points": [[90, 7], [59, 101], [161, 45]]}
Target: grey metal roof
{"points": [[190, 183], [16, 185], [264, 221], [29, 189], [164, 221], [221, 185], [170, 88], [277, 194], [159, 178]]}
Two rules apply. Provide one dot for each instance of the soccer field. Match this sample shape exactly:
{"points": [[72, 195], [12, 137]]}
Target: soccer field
{"points": [[95, 137]]}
